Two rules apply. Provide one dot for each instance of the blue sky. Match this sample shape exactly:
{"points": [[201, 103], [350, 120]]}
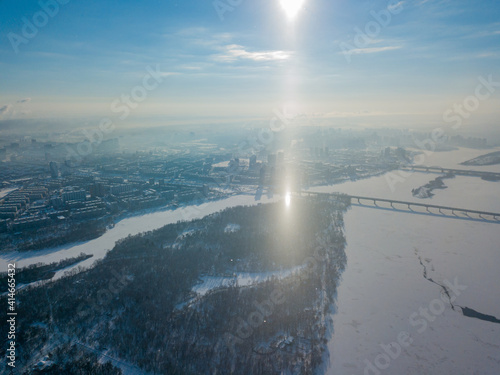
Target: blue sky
{"points": [[428, 57]]}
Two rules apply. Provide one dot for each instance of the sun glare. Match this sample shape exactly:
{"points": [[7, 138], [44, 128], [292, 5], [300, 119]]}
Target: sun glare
{"points": [[291, 7], [288, 199]]}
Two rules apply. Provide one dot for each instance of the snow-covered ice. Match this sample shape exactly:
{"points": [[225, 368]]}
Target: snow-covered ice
{"points": [[383, 284]]}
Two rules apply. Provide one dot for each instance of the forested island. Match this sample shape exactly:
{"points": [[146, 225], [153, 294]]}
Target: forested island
{"points": [[491, 158], [139, 305]]}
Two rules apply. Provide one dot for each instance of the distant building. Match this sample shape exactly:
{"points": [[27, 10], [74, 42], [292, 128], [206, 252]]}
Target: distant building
{"points": [[98, 190], [56, 201], [9, 208], [30, 223], [271, 159], [168, 194], [205, 190], [33, 193], [87, 213], [262, 176], [79, 195], [121, 188], [17, 198], [54, 169], [233, 165], [7, 215], [253, 161]]}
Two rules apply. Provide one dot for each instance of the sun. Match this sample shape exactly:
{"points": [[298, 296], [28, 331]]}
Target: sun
{"points": [[291, 7]]}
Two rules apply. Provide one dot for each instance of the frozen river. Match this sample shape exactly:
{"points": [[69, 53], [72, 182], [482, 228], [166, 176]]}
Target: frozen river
{"points": [[129, 226], [383, 288]]}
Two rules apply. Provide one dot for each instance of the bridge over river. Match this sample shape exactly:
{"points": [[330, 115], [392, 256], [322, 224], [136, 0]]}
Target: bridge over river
{"points": [[416, 208], [458, 172]]}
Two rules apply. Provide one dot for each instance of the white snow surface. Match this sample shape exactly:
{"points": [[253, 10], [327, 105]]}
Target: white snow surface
{"points": [[231, 228], [241, 279], [4, 192]]}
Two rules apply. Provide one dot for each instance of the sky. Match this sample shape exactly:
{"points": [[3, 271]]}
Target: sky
{"points": [[371, 63]]}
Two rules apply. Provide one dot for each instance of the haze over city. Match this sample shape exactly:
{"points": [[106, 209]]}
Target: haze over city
{"points": [[249, 187]]}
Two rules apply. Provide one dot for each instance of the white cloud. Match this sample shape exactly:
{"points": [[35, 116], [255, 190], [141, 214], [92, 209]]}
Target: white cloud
{"points": [[169, 74], [201, 36], [490, 33], [235, 52], [190, 67], [359, 51], [486, 55], [483, 34], [392, 7], [192, 31]]}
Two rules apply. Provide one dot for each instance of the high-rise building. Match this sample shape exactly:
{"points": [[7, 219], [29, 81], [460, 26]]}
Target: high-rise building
{"points": [[54, 169], [253, 161]]}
